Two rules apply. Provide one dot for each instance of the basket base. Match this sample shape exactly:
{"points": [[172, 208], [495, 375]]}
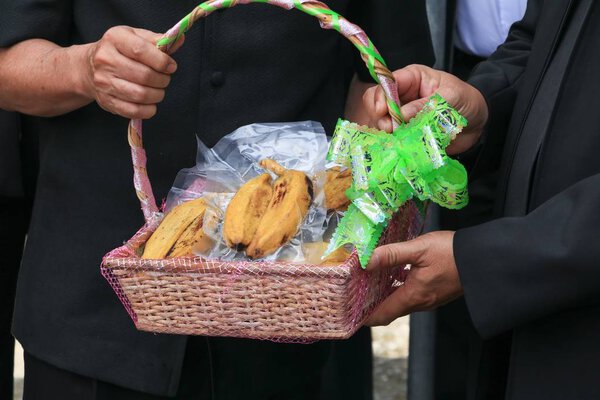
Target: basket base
{"points": [[275, 336]]}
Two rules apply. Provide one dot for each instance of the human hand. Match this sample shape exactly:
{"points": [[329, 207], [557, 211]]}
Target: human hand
{"points": [[432, 281], [126, 74], [416, 83], [355, 110]]}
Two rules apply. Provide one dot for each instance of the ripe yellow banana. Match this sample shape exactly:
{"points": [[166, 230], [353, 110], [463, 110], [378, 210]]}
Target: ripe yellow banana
{"points": [[313, 253], [172, 227], [204, 243], [183, 247], [339, 256], [335, 189], [292, 195], [245, 211]]}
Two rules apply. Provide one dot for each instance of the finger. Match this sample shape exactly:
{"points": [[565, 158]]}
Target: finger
{"points": [[375, 104], [385, 124], [155, 37], [384, 121], [381, 108], [135, 93], [462, 143], [130, 70], [409, 110], [127, 109], [394, 306], [142, 75], [395, 254], [109, 62], [369, 102], [144, 50], [408, 81], [150, 36]]}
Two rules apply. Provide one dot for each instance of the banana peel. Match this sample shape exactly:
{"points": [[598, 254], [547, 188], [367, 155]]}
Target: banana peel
{"points": [[245, 211], [313, 254], [182, 220], [289, 204], [337, 183]]}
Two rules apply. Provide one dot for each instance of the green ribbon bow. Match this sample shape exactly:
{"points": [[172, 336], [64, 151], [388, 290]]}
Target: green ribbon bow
{"points": [[388, 170]]}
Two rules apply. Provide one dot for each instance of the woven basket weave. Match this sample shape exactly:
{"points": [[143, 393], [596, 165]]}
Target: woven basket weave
{"points": [[262, 300]]}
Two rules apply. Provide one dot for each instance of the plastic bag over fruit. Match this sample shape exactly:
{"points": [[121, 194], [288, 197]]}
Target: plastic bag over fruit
{"points": [[235, 160]]}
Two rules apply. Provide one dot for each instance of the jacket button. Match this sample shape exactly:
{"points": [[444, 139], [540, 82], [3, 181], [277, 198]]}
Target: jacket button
{"points": [[217, 79]]}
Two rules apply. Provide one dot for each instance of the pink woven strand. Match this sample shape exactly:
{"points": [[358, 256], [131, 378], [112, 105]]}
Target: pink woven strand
{"points": [[141, 182]]}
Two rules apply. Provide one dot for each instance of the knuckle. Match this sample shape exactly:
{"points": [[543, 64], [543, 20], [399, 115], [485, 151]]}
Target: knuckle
{"points": [[137, 93], [100, 57], [114, 33], [391, 258], [422, 247], [109, 35], [146, 75], [137, 49], [422, 300], [100, 82]]}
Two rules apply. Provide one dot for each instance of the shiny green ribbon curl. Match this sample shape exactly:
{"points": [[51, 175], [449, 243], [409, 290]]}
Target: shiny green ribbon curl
{"points": [[389, 170]]}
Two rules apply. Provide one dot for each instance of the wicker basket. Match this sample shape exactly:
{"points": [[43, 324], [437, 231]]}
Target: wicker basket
{"points": [[263, 300]]}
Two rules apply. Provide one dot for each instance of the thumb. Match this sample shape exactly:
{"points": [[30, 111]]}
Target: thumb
{"points": [[395, 254], [155, 37], [147, 35]]}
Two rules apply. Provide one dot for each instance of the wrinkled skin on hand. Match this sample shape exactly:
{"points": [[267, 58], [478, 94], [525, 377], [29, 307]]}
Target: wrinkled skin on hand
{"points": [[127, 74], [433, 279], [416, 83]]}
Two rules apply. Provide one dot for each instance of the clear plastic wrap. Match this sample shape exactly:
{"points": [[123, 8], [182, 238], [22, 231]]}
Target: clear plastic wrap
{"points": [[220, 172]]}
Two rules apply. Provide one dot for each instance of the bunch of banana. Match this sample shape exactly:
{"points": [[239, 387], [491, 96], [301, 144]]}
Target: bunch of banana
{"points": [[261, 218], [335, 188], [179, 232]]}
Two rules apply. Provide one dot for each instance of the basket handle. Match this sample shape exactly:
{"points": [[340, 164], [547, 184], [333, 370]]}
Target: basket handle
{"points": [[328, 19]]}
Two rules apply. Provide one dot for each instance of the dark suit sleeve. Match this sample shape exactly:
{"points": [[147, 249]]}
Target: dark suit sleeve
{"points": [[399, 30], [28, 19], [503, 69], [516, 270], [498, 79]]}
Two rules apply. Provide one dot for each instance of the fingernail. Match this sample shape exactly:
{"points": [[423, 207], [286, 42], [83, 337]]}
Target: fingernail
{"points": [[172, 67], [384, 125]]}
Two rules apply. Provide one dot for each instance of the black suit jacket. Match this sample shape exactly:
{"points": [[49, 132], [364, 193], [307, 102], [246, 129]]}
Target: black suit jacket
{"points": [[253, 63], [10, 162], [12, 234], [534, 271]]}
